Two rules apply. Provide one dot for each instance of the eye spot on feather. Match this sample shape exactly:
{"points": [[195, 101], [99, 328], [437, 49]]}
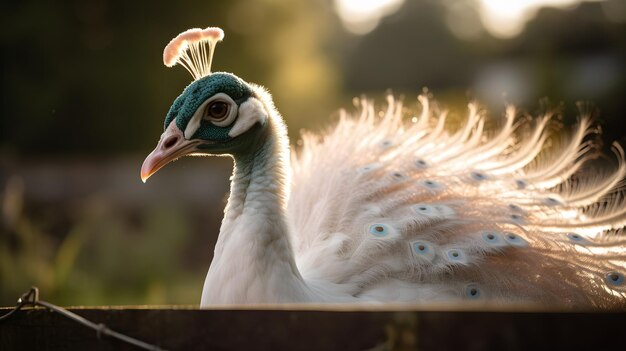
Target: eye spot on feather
{"points": [[397, 175], [576, 238], [423, 250], [515, 240], [421, 164], [521, 184], [514, 207], [615, 278], [368, 168], [424, 209], [379, 230], [551, 201], [491, 237], [385, 144], [517, 217], [472, 291], [427, 210], [478, 176], [431, 184], [455, 255]]}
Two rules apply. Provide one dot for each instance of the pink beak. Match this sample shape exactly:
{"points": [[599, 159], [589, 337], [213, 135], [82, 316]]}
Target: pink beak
{"points": [[171, 146]]}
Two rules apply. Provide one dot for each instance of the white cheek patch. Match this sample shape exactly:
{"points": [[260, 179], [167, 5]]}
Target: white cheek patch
{"points": [[192, 126], [194, 122], [250, 112]]}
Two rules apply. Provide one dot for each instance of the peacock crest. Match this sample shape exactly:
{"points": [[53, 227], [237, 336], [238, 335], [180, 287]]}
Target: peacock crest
{"points": [[193, 49], [394, 207]]}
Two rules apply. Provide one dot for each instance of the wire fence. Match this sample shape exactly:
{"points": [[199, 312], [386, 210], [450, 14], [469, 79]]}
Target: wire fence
{"points": [[31, 299]]}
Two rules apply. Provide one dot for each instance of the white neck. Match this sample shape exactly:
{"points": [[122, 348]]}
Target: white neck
{"points": [[253, 260]]}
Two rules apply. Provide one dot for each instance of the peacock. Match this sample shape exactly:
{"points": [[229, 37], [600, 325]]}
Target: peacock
{"points": [[391, 207]]}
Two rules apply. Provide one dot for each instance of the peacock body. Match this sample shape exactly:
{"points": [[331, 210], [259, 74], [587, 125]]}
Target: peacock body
{"points": [[388, 208]]}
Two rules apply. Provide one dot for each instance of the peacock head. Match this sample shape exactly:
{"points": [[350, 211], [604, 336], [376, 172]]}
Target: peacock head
{"points": [[218, 113]]}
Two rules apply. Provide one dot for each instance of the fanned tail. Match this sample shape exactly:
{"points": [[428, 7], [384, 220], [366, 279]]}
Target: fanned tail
{"points": [[400, 208]]}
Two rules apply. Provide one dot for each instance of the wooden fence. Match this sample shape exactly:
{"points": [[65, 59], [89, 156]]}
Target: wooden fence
{"points": [[176, 328]]}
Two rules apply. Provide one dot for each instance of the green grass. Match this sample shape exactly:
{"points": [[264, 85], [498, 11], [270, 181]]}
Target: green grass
{"points": [[107, 257]]}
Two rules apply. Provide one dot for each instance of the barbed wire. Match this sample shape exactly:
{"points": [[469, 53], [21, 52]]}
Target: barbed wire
{"points": [[31, 298]]}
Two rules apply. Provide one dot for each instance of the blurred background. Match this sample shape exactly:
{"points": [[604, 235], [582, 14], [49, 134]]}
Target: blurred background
{"points": [[84, 95]]}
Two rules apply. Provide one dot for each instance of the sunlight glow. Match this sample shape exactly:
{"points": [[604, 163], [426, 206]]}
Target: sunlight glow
{"points": [[507, 18], [362, 16], [501, 18]]}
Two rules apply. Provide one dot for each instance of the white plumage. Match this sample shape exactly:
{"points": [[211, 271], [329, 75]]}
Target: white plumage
{"points": [[388, 208], [464, 214]]}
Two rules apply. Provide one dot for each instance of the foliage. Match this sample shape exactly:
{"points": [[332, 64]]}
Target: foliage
{"points": [[105, 257]]}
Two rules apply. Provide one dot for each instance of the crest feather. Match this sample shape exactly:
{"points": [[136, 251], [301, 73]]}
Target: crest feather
{"points": [[193, 49]]}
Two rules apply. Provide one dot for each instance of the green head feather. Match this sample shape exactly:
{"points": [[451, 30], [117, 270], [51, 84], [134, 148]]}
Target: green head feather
{"points": [[198, 92]]}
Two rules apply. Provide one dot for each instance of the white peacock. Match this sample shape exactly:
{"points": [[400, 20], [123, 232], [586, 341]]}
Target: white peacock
{"points": [[393, 209]]}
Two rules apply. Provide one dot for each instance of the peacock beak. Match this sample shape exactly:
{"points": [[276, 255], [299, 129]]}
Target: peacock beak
{"points": [[171, 146]]}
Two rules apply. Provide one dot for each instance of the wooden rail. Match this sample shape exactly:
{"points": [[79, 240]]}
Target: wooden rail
{"points": [[175, 328]]}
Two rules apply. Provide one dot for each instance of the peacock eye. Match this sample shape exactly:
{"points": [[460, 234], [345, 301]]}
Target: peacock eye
{"points": [[220, 110], [217, 110]]}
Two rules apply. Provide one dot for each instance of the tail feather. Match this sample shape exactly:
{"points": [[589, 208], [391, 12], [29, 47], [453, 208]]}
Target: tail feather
{"points": [[402, 209]]}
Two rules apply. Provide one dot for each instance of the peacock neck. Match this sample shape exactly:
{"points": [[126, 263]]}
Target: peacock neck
{"points": [[259, 180], [253, 260]]}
